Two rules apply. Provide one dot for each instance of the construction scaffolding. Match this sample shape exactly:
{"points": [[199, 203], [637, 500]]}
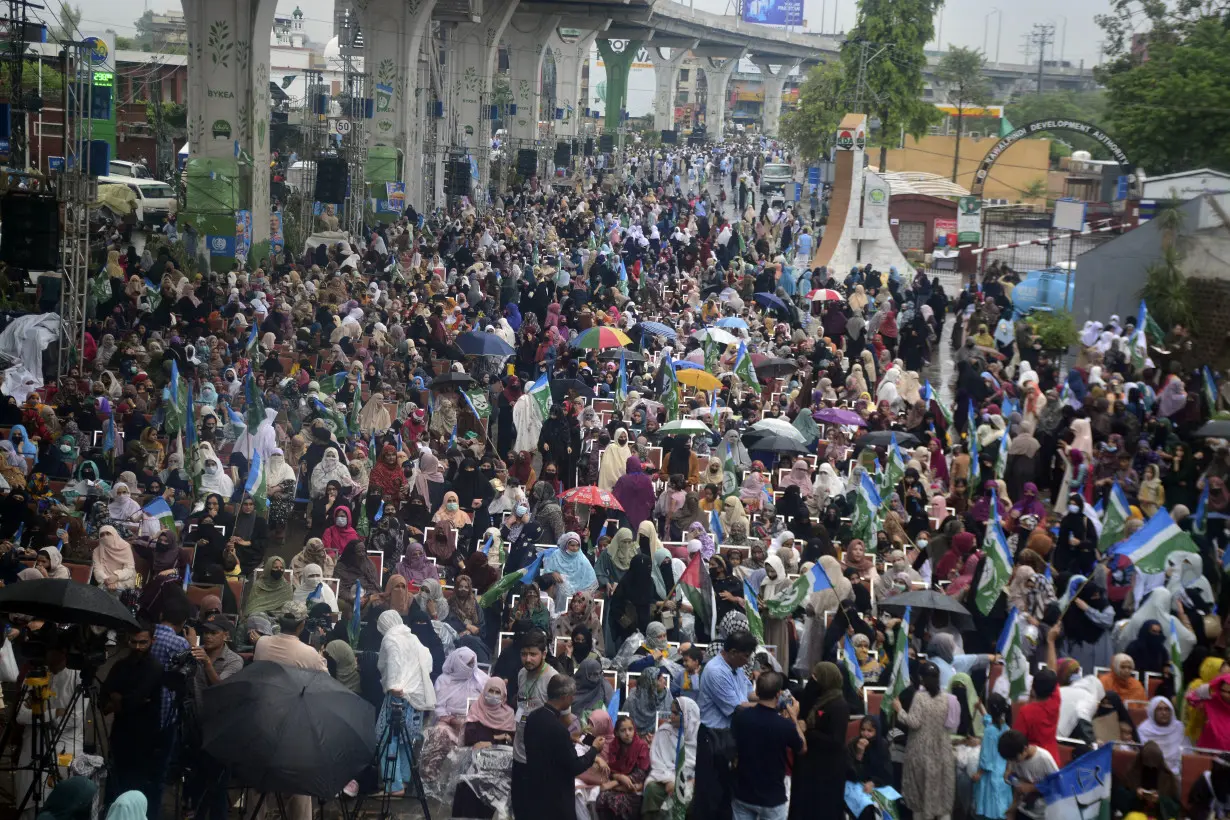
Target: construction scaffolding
{"points": [[314, 131], [351, 127], [75, 190]]}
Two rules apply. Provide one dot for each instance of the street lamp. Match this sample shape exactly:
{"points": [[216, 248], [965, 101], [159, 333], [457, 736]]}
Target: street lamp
{"points": [[999, 27]]}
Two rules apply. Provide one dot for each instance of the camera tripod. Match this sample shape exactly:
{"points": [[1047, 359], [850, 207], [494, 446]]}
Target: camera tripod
{"points": [[45, 732], [387, 754]]}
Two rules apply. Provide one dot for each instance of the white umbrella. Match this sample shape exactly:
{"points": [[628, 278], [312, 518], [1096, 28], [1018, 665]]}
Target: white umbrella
{"points": [[717, 334], [779, 426]]}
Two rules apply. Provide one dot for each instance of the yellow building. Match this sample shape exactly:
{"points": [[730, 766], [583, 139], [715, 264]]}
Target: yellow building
{"points": [[1017, 169]]}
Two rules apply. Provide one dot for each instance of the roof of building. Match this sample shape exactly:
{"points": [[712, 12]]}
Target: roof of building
{"points": [[921, 182]]}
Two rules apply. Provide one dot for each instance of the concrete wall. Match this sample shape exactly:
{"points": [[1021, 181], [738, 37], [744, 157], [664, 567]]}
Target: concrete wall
{"points": [[1016, 170], [919, 208]]}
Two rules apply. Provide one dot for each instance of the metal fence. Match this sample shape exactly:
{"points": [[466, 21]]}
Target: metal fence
{"points": [[1040, 254]]}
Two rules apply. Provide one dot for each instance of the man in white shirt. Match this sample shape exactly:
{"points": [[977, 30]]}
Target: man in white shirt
{"points": [[1027, 764]]}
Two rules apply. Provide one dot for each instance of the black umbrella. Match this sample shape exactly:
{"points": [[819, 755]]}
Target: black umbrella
{"points": [[65, 601], [614, 354], [884, 438], [451, 378], [284, 729], [560, 388], [479, 343], [928, 599], [775, 368], [1214, 428], [774, 442]]}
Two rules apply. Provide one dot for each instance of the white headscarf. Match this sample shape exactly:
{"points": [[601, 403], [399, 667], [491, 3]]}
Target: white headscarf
{"points": [[613, 462], [662, 755], [311, 588], [1079, 701], [122, 509], [827, 485], [460, 682], [276, 469], [219, 482], [1170, 738], [1156, 607], [329, 469], [404, 663]]}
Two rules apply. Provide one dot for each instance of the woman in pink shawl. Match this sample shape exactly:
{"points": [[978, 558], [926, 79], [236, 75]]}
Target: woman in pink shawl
{"points": [[962, 581], [340, 531], [799, 476], [1216, 701], [415, 567], [1172, 398], [634, 492], [460, 682], [553, 315]]}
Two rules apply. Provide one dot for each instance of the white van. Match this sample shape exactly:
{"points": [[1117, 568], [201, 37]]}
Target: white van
{"points": [[155, 199], [123, 168]]}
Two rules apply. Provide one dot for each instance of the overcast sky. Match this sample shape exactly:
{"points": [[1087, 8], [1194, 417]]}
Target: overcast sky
{"points": [[964, 22]]}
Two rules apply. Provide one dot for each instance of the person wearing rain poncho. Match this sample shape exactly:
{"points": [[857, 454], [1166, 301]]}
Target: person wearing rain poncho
{"points": [[405, 668], [613, 462]]}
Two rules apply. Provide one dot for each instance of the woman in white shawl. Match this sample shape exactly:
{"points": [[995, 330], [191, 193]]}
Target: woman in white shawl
{"points": [[329, 469], [405, 676], [826, 486], [504, 330], [528, 421], [231, 381], [122, 507], [776, 586], [887, 391], [214, 480], [311, 589], [1079, 701], [374, 417], [1158, 606], [1169, 734], [663, 758], [614, 460]]}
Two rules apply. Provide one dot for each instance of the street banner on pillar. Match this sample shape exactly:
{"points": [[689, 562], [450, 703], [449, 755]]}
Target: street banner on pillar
{"points": [[773, 12], [243, 232], [277, 241], [384, 97]]}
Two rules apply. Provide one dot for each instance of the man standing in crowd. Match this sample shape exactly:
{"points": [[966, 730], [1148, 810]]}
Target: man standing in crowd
{"points": [[532, 680], [215, 662], [545, 787], [724, 687], [285, 647], [763, 736], [132, 693]]}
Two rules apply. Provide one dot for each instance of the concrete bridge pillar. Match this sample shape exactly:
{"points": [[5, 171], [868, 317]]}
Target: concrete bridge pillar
{"points": [[228, 123], [774, 84], [666, 78], [473, 50], [617, 57], [528, 37], [717, 75], [393, 33], [569, 60]]}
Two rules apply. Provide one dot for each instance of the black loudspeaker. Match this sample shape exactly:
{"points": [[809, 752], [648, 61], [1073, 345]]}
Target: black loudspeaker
{"points": [[563, 154], [670, 137], [31, 238], [606, 143], [589, 146], [527, 162], [457, 176], [332, 180]]}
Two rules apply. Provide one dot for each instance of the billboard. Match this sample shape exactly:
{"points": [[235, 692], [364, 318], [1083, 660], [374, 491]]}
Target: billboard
{"points": [[773, 12]]}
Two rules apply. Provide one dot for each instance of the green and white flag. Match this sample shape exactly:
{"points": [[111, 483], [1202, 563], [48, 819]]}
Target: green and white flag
{"points": [[540, 392], [751, 608], [899, 681], [713, 352], [476, 398], [894, 469], [996, 562], [1001, 461], [1117, 513], [1176, 656], [866, 511], [1080, 790], [1153, 543], [670, 389], [744, 369], [1012, 649]]}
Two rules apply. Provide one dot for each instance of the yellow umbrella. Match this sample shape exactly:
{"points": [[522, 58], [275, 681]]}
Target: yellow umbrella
{"points": [[700, 379]]}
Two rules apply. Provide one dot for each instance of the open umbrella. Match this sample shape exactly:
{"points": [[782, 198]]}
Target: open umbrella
{"points": [[825, 295], [283, 729], [686, 427], [1214, 428], [732, 321], [779, 426], [614, 354], [772, 368], [592, 496], [772, 302], [688, 364], [883, 438], [716, 334], [700, 379], [451, 378], [838, 415], [599, 338], [774, 442], [930, 600], [656, 329], [65, 601], [560, 388], [480, 343]]}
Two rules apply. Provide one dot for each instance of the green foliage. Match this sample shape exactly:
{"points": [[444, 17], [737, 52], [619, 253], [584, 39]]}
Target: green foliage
{"points": [[960, 70], [812, 125], [70, 21], [1056, 330], [1168, 103], [1035, 189], [1087, 106], [173, 120], [1166, 291], [53, 80], [145, 31]]}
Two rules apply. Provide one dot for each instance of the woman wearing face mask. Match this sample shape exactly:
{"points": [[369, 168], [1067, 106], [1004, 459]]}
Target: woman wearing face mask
{"points": [[353, 566], [460, 683], [271, 591], [340, 531], [330, 469], [571, 572], [114, 568], [612, 463], [405, 667], [122, 507], [214, 480], [465, 616], [249, 536], [311, 589], [280, 480], [474, 493], [313, 552], [1087, 621], [640, 588]]}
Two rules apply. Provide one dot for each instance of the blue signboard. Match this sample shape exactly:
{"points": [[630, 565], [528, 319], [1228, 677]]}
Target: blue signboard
{"points": [[220, 245], [813, 175], [773, 12], [55, 163]]}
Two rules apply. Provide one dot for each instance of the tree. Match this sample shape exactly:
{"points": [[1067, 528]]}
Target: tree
{"points": [[145, 31], [1087, 106], [70, 20], [812, 125], [53, 80], [884, 61], [1168, 104], [961, 71]]}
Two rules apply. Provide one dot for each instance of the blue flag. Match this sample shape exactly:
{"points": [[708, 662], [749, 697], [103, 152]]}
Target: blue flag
{"points": [[190, 422], [856, 672], [487, 544], [531, 572], [612, 708], [187, 577], [379, 511], [715, 525], [928, 393]]}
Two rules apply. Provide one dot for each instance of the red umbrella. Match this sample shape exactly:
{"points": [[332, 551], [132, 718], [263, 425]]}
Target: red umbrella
{"points": [[825, 295], [592, 496]]}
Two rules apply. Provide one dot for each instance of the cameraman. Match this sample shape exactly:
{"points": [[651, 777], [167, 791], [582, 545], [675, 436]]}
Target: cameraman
{"points": [[215, 662]]}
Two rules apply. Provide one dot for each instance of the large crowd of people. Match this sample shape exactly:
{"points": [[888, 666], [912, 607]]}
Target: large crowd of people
{"points": [[604, 494]]}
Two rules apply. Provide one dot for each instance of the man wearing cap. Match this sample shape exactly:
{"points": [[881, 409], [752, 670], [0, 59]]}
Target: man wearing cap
{"points": [[215, 660], [285, 647]]}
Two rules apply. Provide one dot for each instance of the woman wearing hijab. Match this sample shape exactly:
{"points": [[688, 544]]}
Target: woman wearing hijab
{"points": [[311, 589], [405, 676], [613, 462], [929, 782], [280, 480], [322, 510], [614, 561], [271, 591], [122, 507], [1087, 622], [1121, 679], [313, 552], [651, 697], [628, 761], [1148, 650], [459, 683], [464, 613], [415, 567], [428, 481], [1149, 789], [635, 492], [735, 522], [249, 536], [340, 531], [593, 689], [330, 469], [572, 571], [659, 799], [1163, 727], [343, 665], [432, 601], [776, 586], [113, 567], [354, 566], [819, 776], [640, 588]]}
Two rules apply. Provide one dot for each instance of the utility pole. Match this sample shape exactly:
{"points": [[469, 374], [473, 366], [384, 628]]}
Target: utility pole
{"points": [[1042, 36]]}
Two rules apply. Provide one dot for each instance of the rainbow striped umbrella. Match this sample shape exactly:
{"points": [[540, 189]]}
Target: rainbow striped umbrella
{"points": [[600, 338]]}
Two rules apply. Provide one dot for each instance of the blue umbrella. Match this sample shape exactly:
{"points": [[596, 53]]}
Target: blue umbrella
{"points": [[732, 321], [478, 343], [771, 301], [684, 364], [657, 329]]}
